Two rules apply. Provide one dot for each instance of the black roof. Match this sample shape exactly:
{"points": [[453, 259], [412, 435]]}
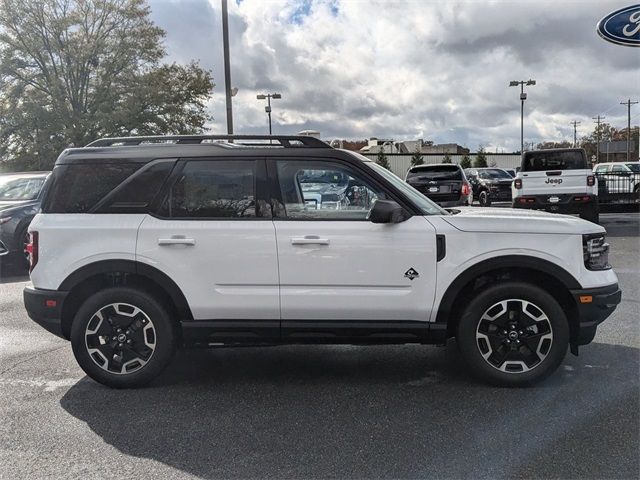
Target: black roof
{"points": [[145, 149]]}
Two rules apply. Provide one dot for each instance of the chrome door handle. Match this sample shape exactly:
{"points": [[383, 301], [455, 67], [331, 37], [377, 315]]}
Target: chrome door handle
{"points": [[176, 241], [309, 240]]}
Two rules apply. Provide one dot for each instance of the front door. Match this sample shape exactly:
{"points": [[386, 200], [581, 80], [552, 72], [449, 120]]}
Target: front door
{"points": [[335, 264]]}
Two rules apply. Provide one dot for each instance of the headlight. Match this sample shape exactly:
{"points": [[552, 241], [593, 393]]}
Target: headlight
{"points": [[595, 250]]}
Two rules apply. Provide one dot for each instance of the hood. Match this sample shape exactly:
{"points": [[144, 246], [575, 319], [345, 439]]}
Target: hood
{"points": [[513, 220]]}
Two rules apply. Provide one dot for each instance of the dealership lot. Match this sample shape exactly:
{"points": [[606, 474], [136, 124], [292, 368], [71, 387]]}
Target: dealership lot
{"points": [[327, 411]]}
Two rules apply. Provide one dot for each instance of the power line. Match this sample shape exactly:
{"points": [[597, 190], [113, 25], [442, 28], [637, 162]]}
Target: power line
{"points": [[597, 121], [575, 124], [628, 103]]}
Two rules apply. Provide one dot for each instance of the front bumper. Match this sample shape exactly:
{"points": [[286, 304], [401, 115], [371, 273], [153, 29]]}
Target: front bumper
{"points": [[594, 306], [45, 308]]}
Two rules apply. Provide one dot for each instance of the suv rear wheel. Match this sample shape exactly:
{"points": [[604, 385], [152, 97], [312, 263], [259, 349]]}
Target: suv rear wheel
{"points": [[513, 334], [122, 337]]}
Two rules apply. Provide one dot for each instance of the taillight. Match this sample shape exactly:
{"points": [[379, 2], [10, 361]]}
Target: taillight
{"points": [[517, 183], [32, 250], [466, 189], [591, 181]]}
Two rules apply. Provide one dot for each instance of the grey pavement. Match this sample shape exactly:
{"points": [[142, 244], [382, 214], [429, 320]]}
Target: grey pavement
{"points": [[324, 411]]}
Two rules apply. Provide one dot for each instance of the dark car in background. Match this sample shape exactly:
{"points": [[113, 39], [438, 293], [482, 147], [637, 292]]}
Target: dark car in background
{"points": [[20, 197], [445, 184], [490, 185]]}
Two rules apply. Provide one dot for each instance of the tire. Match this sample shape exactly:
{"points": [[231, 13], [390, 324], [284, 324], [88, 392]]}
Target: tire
{"points": [[590, 213], [527, 353], [484, 199], [129, 349]]}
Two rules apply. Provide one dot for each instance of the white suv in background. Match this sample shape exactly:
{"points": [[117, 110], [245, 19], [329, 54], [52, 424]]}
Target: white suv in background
{"points": [[557, 180], [147, 244]]}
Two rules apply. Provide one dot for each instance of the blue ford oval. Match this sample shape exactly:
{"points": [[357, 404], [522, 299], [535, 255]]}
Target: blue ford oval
{"points": [[622, 26]]}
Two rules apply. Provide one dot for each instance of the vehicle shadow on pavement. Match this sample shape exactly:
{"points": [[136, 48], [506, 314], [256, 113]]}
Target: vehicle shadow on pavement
{"points": [[12, 271], [369, 412]]}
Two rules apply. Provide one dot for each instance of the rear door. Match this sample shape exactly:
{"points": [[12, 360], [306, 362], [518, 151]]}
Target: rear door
{"points": [[214, 237], [554, 172]]}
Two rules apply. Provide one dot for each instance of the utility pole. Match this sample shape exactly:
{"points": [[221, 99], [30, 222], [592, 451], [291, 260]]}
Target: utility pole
{"points": [[575, 124], [227, 68], [628, 103], [597, 121]]}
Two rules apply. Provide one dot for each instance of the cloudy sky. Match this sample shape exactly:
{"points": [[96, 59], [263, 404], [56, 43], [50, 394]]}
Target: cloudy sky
{"points": [[410, 69]]}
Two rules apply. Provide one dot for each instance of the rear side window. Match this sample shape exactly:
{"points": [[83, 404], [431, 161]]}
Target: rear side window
{"points": [[78, 188], [541, 161], [213, 189], [437, 172], [137, 193]]}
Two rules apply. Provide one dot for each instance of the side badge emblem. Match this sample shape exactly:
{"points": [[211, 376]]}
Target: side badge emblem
{"points": [[411, 274]]}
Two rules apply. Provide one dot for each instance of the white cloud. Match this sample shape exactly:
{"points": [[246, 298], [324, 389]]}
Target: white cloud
{"points": [[404, 69]]}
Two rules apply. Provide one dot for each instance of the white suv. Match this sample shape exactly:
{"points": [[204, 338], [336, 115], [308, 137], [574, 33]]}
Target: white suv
{"points": [[147, 244]]}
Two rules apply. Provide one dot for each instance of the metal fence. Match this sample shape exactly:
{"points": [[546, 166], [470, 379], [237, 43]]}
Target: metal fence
{"points": [[618, 188], [399, 163]]}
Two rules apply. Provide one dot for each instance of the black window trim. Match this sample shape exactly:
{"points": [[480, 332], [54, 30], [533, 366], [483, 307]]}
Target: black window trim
{"points": [[279, 212], [260, 184]]}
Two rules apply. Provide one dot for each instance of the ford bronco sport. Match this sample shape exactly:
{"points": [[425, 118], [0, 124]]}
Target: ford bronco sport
{"points": [[146, 244]]}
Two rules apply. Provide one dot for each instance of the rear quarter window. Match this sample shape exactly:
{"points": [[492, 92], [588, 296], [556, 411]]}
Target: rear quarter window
{"points": [[542, 161], [77, 188]]}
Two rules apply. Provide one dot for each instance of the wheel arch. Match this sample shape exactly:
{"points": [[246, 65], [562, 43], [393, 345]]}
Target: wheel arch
{"points": [[545, 274], [102, 274]]}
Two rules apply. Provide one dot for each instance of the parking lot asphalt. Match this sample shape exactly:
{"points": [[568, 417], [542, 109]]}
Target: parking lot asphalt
{"points": [[325, 411]]}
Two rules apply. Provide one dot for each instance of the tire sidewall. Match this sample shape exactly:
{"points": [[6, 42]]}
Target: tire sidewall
{"points": [[466, 335], [165, 336]]}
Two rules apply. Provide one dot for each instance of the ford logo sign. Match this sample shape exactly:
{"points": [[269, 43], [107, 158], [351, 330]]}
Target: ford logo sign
{"points": [[622, 26]]}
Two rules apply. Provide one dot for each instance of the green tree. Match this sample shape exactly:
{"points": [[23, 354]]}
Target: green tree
{"points": [[72, 71], [447, 158], [382, 159], [465, 162], [481, 158], [416, 157]]}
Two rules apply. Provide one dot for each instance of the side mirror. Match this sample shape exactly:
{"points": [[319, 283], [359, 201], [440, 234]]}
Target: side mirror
{"points": [[387, 211]]}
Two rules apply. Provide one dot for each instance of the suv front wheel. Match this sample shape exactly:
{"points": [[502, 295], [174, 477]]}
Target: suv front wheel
{"points": [[513, 334], [122, 337]]}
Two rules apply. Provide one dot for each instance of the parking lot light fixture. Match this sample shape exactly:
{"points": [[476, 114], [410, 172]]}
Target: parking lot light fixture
{"points": [[523, 97], [268, 97]]}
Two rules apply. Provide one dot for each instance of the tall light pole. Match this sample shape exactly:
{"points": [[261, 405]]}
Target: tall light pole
{"points": [[227, 68], [523, 97], [267, 109]]}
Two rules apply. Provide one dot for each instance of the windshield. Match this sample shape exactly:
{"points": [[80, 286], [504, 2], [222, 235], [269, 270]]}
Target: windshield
{"points": [[426, 206], [553, 160], [436, 172], [14, 188], [634, 167], [494, 174]]}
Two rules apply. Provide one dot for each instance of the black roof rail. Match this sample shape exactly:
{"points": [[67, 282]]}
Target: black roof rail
{"points": [[286, 141]]}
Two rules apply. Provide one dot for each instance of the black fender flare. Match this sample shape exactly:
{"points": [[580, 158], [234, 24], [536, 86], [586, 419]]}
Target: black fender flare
{"points": [[132, 267], [508, 261]]}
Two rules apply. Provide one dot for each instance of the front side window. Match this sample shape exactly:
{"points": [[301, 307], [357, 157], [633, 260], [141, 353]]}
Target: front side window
{"points": [[324, 191], [213, 189], [618, 169], [601, 169]]}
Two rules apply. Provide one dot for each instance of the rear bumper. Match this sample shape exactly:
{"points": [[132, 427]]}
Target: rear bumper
{"points": [[594, 306], [45, 308], [566, 203]]}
